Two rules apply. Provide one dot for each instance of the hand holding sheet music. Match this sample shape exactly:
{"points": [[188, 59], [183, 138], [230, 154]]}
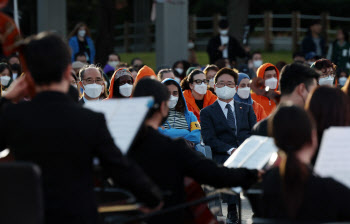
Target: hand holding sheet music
{"points": [[124, 117], [333, 158], [254, 153]]}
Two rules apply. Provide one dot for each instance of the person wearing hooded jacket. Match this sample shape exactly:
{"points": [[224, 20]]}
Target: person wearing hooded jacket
{"points": [[181, 122], [121, 84], [196, 93], [145, 71], [270, 74], [243, 95]]}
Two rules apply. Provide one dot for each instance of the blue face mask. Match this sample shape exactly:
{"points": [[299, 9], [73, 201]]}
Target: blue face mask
{"points": [[342, 81]]}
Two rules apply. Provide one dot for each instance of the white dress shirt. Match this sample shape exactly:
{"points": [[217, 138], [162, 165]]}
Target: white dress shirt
{"points": [[225, 110], [224, 40]]}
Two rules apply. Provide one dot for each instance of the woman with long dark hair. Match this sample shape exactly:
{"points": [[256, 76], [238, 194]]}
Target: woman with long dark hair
{"points": [[80, 42], [329, 107], [292, 191]]}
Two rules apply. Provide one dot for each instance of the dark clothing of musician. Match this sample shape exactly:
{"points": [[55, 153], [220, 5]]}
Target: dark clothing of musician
{"points": [[44, 131], [324, 199], [167, 162]]}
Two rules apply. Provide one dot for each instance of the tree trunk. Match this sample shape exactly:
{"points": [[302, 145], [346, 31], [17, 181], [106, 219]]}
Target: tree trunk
{"points": [[237, 16], [104, 40]]}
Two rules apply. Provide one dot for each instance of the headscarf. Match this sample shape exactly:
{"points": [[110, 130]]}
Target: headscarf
{"points": [[249, 100], [117, 74]]}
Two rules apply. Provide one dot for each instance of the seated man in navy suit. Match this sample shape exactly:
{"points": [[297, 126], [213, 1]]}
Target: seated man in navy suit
{"points": [[226, 123]]}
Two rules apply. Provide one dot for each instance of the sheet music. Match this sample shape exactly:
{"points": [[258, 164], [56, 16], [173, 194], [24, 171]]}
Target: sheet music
{"points": [[124, 117], [253, 153], [333, 159]]}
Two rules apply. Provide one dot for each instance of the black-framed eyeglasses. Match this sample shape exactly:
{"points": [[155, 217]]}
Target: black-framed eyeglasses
{"points": [[200, 81], [229, 84]]}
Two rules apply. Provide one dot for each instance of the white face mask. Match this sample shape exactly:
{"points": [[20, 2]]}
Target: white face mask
{"points": [[243, 93], [81, 33], [328, 81], [201, 89], [177, 79], [271, 83], [190, 45], [75, 86], [257, 63], [223, 32], [179, 70], [225, 92], [93, 90], [173, 101], [342, 81], [5, 80], [125, 90], [211, 83], [113, 64]]}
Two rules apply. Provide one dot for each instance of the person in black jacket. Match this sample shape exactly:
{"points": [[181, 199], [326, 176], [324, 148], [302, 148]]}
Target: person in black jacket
{"points": [[292, 191], [44, 131], [224, 46], [313, 41], [167, 161]]}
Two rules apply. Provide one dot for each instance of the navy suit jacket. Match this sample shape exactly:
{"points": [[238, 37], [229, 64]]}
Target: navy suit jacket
{"points": [[218, 135]]}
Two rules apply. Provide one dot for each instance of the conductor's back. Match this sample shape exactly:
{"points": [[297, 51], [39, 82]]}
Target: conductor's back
{"points": [[61, 137]]}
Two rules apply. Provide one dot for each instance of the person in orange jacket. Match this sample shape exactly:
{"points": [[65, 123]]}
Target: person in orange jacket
{"points": [[270, 74], [145, 71], [196, 92], [243, 95]]}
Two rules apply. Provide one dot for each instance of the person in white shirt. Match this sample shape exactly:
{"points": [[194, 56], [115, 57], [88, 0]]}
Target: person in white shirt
{"points": [[224, 45]]}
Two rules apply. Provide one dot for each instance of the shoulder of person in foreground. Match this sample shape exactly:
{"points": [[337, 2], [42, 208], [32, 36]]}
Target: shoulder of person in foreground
{"points": [[261, 128]]}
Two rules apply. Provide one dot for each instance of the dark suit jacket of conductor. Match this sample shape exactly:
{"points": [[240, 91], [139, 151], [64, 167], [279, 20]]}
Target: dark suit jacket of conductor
{"points": [[62, 138], [234, 49], [218, 135]]}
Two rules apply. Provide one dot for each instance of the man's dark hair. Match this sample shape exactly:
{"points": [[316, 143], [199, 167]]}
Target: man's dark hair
{"points": [[113, 53], [298, 54], [226, 71], [223, 24], [294, 74], [47, 57], [134, 59], [151, 87], [254, 53], [79, 54]]}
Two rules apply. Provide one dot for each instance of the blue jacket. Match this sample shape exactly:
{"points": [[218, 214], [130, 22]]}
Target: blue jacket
{"points": [[193, 133], [218, 135], [74, 45]]}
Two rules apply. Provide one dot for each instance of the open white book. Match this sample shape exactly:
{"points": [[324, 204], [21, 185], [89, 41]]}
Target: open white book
{"points": [[333, 159], [124, 117], [254, 153]]}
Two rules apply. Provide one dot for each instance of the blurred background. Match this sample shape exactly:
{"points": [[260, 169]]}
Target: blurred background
{"points": [[128, 27]]}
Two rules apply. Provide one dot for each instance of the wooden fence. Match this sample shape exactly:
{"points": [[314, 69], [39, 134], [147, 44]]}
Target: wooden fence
{"points": [[126, 36]]}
